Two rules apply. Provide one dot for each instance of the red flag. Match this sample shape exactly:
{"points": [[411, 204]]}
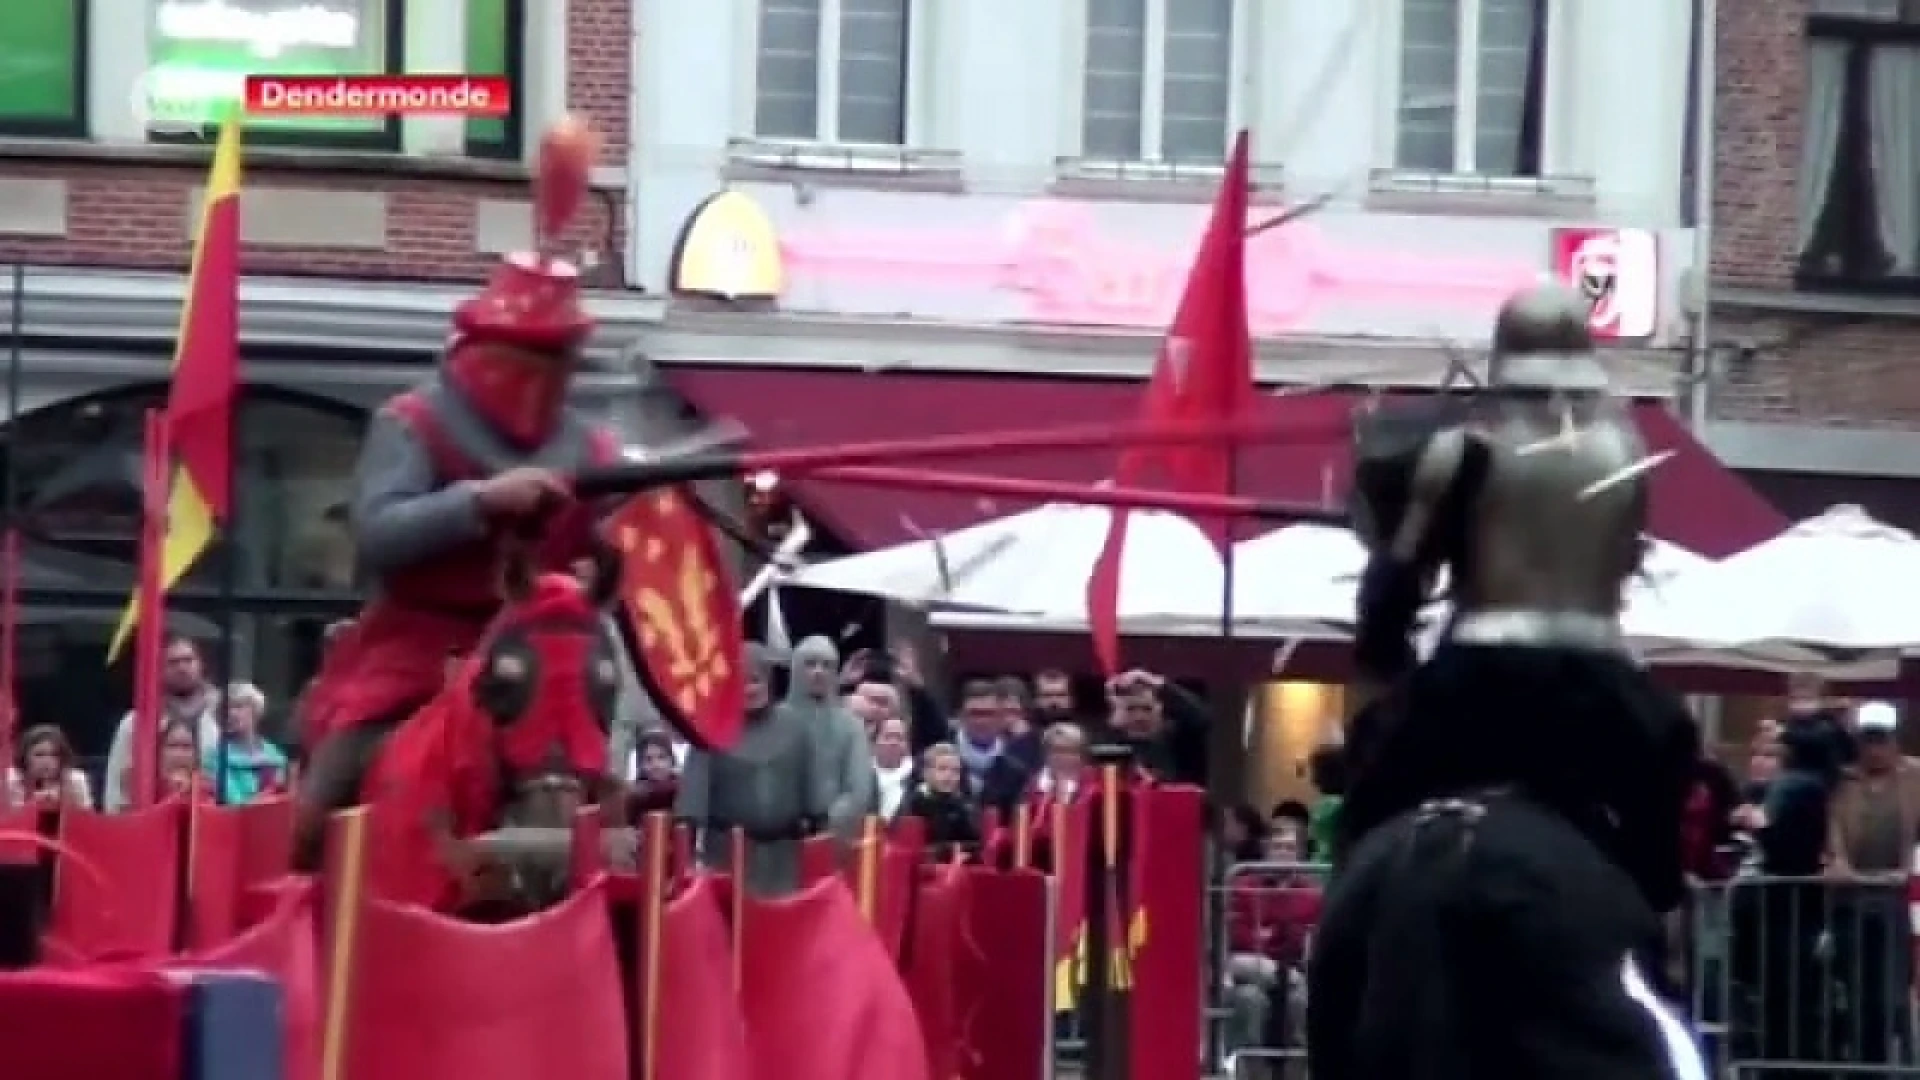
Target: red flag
{"points": [[1204, 372]]}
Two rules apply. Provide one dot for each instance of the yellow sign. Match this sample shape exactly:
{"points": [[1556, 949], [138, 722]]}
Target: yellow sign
{"points": [[728, 249]]}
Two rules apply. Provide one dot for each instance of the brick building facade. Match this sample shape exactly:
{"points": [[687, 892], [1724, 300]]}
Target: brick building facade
{"points": [[1817, 388], [89, 202]]}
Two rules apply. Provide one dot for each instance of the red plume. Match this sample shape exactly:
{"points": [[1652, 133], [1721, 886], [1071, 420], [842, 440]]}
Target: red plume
{"points": [[567, 154]]}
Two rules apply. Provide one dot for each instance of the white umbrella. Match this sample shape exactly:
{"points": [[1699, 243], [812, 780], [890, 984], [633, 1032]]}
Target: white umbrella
{"points": [[1839, 581], [1299, 574], [1036, 563]]}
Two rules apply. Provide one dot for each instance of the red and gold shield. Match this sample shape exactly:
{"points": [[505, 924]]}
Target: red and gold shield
{"points": [[681, 616]]}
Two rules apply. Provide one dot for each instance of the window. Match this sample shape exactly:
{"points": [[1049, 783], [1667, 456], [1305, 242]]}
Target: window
{"points": [[496, 46], [1159, 80], [833, 71], [1472, 86], [43, 70], [1859, 213], [203, 50]]}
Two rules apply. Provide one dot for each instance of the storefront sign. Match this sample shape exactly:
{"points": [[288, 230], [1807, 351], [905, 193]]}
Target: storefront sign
{"points": [[1066, 269], [728, 249], [1618, 271], [264, 33]]}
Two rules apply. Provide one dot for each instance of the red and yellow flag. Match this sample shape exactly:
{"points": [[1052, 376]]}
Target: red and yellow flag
{"points": [[206, 376]]}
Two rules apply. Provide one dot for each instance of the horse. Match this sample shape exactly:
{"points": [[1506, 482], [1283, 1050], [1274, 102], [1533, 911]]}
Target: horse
{"points": [[473, 797]]}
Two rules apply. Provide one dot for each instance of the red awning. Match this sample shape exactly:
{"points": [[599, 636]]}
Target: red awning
{"points": [[1697, 503]]}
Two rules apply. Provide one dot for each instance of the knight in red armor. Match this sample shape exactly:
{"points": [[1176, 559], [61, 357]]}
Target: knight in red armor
{"points": [[451, 471]]}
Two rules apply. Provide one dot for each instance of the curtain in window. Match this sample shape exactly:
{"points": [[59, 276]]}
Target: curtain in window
{"points": [[1116, 80], [1429, 79], [1820, 132], [1894, 122], [787, 76], [873, 71], [1199, 65]]}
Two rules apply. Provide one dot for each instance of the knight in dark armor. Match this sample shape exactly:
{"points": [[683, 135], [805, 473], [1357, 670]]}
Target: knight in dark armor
{"points": [[1511, 834], [450, 473]]}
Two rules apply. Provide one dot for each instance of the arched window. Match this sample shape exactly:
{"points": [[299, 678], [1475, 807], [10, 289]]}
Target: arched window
{"points": [[79, 475]]}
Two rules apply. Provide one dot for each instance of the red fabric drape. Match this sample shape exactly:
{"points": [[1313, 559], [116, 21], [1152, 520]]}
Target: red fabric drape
{"points": [[117, 1022], [117, 893], [933, 959], [432, 998], [1168, 992], [823, 1001], [232, 850], [1001, 975], [282, 945], [705, 1036]]}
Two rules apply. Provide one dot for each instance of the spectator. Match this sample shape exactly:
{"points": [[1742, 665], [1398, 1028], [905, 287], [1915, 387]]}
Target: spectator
{"points": [[1763, 764], [180, 774], [1243, 834], [1062, 774], [900, 670], [656, 781], [874, 703], [247, 765], [45, 773], [1052, 698], [1164, 724], [1328, 770], [1707, 822], [1023, 737], [1874, 826], [187, 696], [940, 801], [1270, 919], [981, 742], [893, 765], [1291, 812]]}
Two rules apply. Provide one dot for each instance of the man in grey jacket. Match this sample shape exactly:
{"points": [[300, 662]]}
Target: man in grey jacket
{"points": [[846, 759]]}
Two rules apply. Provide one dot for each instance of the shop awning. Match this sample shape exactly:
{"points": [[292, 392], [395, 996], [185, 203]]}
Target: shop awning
{"points": [[1697, 503]]}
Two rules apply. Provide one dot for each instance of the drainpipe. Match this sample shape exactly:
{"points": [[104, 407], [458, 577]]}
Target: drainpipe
{"points": [[1705, 96]]}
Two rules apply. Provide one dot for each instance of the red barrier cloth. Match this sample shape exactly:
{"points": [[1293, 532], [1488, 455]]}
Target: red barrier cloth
{"points": [[893, 908], [1168, 992], [933, 959], [116, 893], [700, 1033], [1001, 975], [114, 1023], [282, 945], [823, 1001], [819, 859], [433, 998]]}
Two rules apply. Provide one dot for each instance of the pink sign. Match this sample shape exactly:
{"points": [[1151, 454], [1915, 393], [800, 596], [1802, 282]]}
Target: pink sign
{"points": [[1069, 270], [1618, 271]]}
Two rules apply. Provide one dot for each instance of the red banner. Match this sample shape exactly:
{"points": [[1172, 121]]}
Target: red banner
{"points": [[434, 997], [1168, 991], [1063, 832], [822, 999], [282, 946], [697, 1005], [1002, 975], [116, 885], [118, 1022]]}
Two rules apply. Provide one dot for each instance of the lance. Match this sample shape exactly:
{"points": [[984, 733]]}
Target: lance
{"points": [[709, 458], [1118, 498]]}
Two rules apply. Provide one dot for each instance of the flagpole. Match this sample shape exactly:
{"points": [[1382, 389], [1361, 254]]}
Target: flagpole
{"points": [[229, 592], [10, 601]]}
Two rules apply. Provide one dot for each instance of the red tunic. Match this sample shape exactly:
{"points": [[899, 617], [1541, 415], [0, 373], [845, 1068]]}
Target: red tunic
{"points": [[395, 654]]}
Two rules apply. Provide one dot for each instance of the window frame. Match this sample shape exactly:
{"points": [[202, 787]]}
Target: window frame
{"points": [[916, 121], [1857, 33], [1242, 95], [385, 139], [76, 125], [512, 144], [1559, 146]]}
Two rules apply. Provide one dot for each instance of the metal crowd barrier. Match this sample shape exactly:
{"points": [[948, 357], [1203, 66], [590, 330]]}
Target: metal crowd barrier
{"points": [[1264, 914], [1784, 977], [1794, 977]]}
